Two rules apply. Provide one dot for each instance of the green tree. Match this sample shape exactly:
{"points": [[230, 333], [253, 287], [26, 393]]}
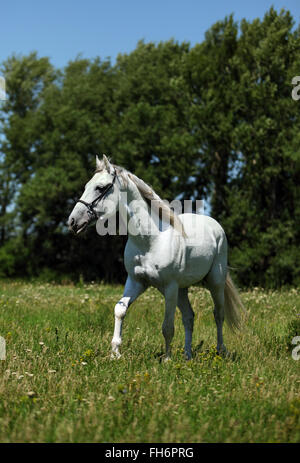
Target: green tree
{"points": [[152, 129], [211, 80], [26, 81], [263, 191], [216, 121]]}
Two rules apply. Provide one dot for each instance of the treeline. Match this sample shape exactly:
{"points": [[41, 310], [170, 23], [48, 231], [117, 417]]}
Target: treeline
{"points": [[214, 121]]}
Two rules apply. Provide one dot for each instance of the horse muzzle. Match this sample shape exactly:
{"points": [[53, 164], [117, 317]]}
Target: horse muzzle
{"points": [[76, 227]]}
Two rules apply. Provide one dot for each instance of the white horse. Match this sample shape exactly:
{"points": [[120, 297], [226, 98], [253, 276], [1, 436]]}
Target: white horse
{"points": [[183, 250]]}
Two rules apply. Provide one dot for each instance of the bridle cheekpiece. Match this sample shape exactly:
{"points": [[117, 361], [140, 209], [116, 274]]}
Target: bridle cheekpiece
{"points": [[90, 206]]}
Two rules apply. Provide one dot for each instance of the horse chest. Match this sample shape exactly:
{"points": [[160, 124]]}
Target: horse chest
{"points": [[157, 265], [146, 270]]}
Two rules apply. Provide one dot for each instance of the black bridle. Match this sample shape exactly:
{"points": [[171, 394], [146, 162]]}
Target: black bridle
{"points": [[92, 205]]}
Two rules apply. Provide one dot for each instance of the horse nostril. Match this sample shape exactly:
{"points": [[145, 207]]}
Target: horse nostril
{"points": [[72, 224]]}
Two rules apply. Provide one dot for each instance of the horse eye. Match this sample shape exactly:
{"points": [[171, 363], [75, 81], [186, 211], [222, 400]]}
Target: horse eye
{"points": [[99, 188]]}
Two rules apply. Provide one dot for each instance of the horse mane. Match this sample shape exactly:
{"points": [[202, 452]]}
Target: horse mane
{"points": [[149, 195]]}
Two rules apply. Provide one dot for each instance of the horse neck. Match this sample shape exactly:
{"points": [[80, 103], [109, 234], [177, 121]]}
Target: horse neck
{"points": [[136, 216]]}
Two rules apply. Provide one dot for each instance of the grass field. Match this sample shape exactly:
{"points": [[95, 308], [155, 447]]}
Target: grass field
{"points": [[58, 383]]}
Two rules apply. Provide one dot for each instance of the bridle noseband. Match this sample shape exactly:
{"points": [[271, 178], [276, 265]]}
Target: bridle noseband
{"points": [[90, 206]]}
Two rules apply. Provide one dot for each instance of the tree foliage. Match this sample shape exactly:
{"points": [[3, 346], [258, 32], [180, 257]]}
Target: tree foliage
{"points": [[216, 121]]}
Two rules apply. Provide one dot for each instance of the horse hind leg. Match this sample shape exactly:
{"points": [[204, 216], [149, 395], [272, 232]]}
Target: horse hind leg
{"points": [[216, 284], [187, 320]]}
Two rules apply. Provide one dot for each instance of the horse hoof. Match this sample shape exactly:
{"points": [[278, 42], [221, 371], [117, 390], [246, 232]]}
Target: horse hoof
{"points": [[222, 351]]}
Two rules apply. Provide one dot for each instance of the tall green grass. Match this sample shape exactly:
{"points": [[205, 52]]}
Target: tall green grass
{"points": [[58, 383]]}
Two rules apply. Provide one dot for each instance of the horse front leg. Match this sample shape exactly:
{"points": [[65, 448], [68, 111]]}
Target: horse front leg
{"points": [[132, 290], [171, 295]]}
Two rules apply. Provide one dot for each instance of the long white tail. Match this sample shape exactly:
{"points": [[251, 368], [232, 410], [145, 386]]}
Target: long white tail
{"points": [[233, 305]]}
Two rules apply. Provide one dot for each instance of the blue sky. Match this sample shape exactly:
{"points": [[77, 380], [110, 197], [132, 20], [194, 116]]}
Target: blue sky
{"points": [[61, 29]]}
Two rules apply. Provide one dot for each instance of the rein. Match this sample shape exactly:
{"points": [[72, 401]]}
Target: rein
{"points": [[92, 205]]}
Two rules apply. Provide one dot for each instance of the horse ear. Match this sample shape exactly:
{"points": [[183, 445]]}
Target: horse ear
{"points": [[107, 164], [99, 165]]}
